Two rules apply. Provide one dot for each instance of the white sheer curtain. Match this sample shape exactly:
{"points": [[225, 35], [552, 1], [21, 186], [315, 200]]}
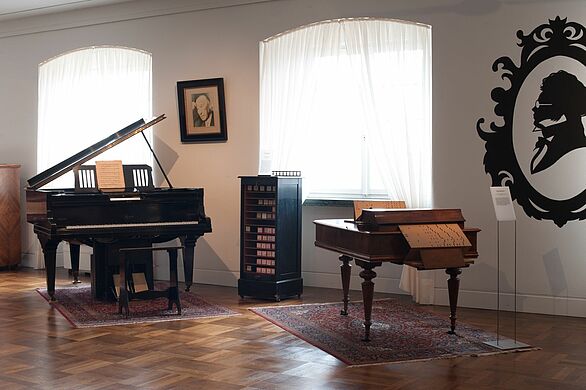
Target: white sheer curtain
{"points": [[288, 83], [327, 87], [86, 95]]}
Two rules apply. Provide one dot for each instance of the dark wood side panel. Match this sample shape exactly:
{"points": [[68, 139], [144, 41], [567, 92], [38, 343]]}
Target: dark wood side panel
{"points": [[391, 246], [472, 235], [36, 206]]}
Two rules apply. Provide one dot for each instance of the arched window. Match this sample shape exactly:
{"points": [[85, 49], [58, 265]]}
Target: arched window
{"points": [[86, 95], [348, 102]]}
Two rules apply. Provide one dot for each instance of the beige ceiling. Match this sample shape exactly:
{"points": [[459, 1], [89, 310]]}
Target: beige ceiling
{"points": [[14, 9]]}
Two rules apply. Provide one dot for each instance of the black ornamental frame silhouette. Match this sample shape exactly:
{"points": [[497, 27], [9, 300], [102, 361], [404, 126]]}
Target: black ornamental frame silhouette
{"points": [[557, 38]]}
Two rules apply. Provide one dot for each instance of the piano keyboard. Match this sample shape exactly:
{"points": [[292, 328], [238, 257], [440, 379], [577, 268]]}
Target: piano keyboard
{"points": [[130, 225]]}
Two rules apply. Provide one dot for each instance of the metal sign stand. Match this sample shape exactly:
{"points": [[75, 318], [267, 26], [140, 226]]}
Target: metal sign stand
{"points": [[503, 208], [506, 343]]}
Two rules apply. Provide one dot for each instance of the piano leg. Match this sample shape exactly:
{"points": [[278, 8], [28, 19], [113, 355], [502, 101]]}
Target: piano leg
{"points": [[50, 254], [345, 270], [453, 288], [173, 292], [123, 295], [100, 259], [367, 291], [74, 253], [188, 254]]}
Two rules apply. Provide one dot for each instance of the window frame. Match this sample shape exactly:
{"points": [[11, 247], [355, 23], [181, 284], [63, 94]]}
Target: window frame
{"points": [[404, 157]]}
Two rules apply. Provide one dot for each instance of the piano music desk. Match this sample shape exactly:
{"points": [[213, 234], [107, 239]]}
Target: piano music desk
{"points": [[370, 248]]}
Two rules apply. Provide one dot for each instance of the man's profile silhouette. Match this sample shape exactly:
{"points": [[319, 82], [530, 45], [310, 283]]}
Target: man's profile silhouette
{"points": [[557, 114]]}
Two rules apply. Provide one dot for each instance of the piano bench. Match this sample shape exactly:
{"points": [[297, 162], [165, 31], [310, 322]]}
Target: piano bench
{"points": [[172, 293]]}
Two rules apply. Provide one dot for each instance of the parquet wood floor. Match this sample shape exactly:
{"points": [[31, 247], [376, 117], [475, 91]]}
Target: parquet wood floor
{"points": [[40, 350]]}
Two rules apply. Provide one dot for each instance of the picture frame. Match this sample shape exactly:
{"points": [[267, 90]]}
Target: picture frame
{"points": [[202, 111]]}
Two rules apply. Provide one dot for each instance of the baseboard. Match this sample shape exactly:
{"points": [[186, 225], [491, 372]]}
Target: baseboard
{"points": [[526, 303], [220, 278], [330, 280], [204, 276], [28, 260], [310, 279], [561, 306]]}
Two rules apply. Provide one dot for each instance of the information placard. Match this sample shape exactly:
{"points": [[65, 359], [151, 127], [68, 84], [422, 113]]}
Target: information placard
{"points": [[503, 204]]}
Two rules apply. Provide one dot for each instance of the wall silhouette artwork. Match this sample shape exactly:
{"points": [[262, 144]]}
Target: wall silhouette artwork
{"points": [[557, 115], [538, 147]]}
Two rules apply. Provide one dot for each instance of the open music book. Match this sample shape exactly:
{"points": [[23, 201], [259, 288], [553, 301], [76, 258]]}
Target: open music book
{"points": [[110, 175]]}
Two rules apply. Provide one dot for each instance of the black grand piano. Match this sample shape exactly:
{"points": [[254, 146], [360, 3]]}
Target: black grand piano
{"points": [[137, 215]]}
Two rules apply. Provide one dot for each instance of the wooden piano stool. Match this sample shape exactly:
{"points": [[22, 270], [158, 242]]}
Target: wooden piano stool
{"points": [[172, 292]]}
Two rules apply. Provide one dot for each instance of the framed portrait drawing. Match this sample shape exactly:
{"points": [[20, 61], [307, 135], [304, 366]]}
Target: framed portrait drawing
{"points": [[202, 112]]}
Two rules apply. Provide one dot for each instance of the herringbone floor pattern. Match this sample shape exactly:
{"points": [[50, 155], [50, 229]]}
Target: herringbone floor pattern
{"points": [[40, 350]]}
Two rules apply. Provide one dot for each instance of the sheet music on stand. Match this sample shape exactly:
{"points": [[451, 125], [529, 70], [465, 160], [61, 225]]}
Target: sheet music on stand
{"points": [[504, 212], [110, 175]]}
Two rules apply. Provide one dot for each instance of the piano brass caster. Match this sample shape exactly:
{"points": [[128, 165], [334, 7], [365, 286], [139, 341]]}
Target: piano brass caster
{"points": [[343, 313]]}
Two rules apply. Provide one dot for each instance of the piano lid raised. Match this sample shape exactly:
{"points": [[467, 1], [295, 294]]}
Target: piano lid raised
{"points": [[87, 154]]}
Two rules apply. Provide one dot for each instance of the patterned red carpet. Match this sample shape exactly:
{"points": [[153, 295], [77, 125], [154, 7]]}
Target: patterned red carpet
{"points": [[77, 306], [400, 332]]}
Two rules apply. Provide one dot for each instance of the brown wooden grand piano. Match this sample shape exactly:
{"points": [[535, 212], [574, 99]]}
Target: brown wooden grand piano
{"points": [[137, 215], [423, 238]]}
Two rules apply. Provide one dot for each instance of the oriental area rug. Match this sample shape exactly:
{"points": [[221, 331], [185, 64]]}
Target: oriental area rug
{"points": [[400, 332], [76, 304]]}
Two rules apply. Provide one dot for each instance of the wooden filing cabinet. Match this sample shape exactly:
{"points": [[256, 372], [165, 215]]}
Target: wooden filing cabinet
{"points": [[10, 246], [270, 240]]}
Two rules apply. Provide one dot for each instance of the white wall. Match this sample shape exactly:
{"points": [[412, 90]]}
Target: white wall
{"points": [[190, 40]]}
